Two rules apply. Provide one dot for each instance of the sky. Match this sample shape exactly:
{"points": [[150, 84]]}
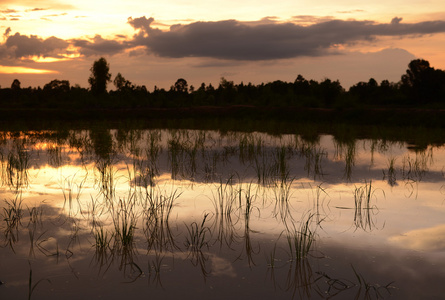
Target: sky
{"points": [[155, 43]]}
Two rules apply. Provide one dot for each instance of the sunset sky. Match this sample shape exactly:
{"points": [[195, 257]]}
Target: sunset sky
{"points": [[155, 43]]}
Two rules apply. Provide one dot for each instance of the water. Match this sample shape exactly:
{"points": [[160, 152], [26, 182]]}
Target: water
{"points": [[196, 214]]}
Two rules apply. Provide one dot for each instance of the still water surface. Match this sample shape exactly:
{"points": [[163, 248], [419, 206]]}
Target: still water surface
{"points": [[197, 214]]}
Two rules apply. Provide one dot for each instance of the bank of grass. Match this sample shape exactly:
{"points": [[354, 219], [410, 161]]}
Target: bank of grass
{"points": [[417, 127], [359, 116]]}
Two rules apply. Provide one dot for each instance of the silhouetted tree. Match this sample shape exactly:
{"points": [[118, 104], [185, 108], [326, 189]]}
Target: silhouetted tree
{"points": [[423, 83], [181, 85], [416, 73], [330, 91], [58, 85], [226, 91], [301, 86], [121, 83], [366, 92], [15, 84], [100, 76]]}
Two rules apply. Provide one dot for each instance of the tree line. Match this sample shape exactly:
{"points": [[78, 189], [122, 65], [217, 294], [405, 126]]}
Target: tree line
{"points": [[420, 86]]}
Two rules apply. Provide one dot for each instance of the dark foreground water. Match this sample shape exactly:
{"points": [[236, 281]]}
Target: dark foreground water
{"points": [[188, 214]]}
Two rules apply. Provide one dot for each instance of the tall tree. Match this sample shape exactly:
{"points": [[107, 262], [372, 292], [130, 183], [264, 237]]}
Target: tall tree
{"points": [[100, 76], [181, 85], [15, 84], [423, 83]]}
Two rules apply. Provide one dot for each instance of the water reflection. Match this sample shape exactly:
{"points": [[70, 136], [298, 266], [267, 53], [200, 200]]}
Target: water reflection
{"points": [[147, 206]]}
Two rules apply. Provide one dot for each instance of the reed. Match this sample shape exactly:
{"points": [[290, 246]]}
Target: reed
{"points": [[31, 286], [107, 179], [300, 240], [313, 159], [265, 170], [156, 214], [390, 175], [364, 210], [124, 221], [102, 240], [368, 290], [72, 192], [196, 238], [272, 257], [17, 166], [224, 200], [12, 215], [319, 195], [282, 193]]}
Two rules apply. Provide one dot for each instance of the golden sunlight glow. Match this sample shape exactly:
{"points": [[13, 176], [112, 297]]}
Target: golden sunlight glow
{"points": [[23, 70], [47, 59]]}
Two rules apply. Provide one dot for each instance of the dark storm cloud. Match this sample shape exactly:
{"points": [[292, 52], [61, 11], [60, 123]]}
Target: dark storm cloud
{"points": [[98, 46], [235, 40], [265, 39], [22, 46]]}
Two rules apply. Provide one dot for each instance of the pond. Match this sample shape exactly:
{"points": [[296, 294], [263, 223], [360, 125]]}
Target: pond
{"points": [[193, 214]]}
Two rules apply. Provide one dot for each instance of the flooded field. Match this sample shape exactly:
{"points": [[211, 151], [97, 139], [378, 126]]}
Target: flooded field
{"points": [[190, 214]]}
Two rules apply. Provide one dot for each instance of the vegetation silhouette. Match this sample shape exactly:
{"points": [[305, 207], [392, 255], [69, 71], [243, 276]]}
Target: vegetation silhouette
{"points": [[418, 96], [100, 76]]}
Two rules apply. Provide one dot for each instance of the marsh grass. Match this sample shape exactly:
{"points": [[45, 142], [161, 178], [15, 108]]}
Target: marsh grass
{"points": [[271, 258], [94, 211], [107, 179], [313, 159], [300, 240], [390, 175], [155, 267], [198, 238], [124, 221], [249, 147], [72, 192], [3, 170], [368, 290], [346, 150], [414, 169], [12, 215], [55, 155], [17, 166], [320, 208], [265, 169], [247, 196], [102, 239], [234, 204], [35, 215], [31, 286], [364, 210], [224, 198], [157, 209], [176, 152], [282, 191], [225, 212], [301, 279]]}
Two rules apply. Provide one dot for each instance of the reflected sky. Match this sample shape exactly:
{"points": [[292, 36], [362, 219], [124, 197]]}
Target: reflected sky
{"points": [[89, 210]]}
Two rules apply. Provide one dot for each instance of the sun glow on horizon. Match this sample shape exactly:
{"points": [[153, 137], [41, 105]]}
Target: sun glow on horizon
{"points": [[24, 70]]}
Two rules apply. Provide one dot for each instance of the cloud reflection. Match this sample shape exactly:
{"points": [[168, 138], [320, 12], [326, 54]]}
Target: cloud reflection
{"points": [[426, 239]]}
